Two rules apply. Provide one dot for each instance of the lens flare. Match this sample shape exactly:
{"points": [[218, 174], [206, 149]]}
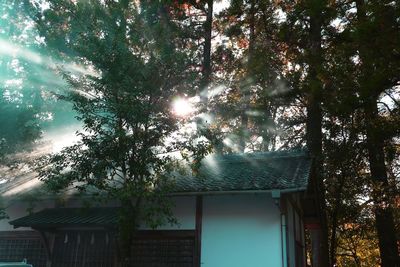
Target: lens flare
{"points": [[182, 107]]}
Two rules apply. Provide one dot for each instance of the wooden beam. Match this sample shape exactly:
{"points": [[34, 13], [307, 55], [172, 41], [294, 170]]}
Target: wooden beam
{"points": [[199, 220], [46, 245], [165, 234]]}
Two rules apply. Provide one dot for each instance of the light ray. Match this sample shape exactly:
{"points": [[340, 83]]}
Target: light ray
{"points": [[8, 48], [62, 138]]}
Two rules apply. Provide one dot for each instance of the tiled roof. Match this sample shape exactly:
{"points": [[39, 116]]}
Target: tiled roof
{"points": [[62, 217], [248, 172], [228, 173]]}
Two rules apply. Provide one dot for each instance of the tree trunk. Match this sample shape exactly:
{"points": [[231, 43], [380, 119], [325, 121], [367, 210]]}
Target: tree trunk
{"points": [[126, 230], [334, 219], [375, 145], [382, 199], [314, 130], [207, 70], [314, 143], [246, 87]]}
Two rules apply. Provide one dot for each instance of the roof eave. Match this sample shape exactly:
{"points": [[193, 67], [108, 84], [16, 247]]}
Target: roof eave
{"points": [[234, 192], [62, 225]]}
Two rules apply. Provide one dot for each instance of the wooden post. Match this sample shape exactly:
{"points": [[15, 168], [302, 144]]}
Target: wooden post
{"points": [[314, 229], [47, 246], [199, 219]]}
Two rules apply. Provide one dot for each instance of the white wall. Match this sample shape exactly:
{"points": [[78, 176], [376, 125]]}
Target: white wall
{"points": [[241, 231], [184, 210]]}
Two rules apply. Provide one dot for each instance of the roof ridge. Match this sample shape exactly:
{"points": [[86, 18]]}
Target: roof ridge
{"points": [[262, 155]]}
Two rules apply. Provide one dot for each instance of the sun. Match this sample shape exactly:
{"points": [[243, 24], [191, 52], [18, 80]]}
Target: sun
{"points": [[182, 107]]}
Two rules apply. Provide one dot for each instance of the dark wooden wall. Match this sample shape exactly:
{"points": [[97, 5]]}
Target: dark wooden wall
{"points": [[17, 245], [78, 248]]}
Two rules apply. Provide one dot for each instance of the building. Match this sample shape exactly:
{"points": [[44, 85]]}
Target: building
{"points": [[241, 210]]}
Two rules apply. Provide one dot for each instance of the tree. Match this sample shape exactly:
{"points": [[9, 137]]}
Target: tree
{"points": [[19, 95], [288, 74], [29, 81], [362, 72], [248, 64], [314, 93], [303, 33], [381, 19], [140, 62], [319, 63], [207, 66]]}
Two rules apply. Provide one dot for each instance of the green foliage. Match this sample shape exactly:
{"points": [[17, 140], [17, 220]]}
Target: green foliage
{"points": [[339, 76], [268, 61], [19, 127], [27, 74], [248, 64], [18, 112], [140, 63], [3, 213]]}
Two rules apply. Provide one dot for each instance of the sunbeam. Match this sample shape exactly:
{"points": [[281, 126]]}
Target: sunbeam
{"points": [[11, 49], [61, 138], [8, 48]]}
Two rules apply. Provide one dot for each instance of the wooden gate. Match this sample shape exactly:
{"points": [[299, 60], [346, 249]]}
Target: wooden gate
{"points": [[17, 245], [163, 249], [83, 249], [98, 249]]}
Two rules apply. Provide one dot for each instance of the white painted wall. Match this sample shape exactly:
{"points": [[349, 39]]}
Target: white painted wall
{"points": [[241, 231], [184, 210]]}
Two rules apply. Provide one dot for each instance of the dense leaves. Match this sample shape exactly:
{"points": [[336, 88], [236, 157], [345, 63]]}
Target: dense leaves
{"points": [[267, 75], [140, 62]]}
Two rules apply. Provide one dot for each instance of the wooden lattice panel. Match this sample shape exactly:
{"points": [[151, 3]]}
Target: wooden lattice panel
{"points": [[163, 252], [98, 249], [18, 245], [83, 249]]}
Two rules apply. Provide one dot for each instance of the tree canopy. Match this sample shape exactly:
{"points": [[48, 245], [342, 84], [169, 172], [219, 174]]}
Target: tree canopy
{"points": [[262, 76]]}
